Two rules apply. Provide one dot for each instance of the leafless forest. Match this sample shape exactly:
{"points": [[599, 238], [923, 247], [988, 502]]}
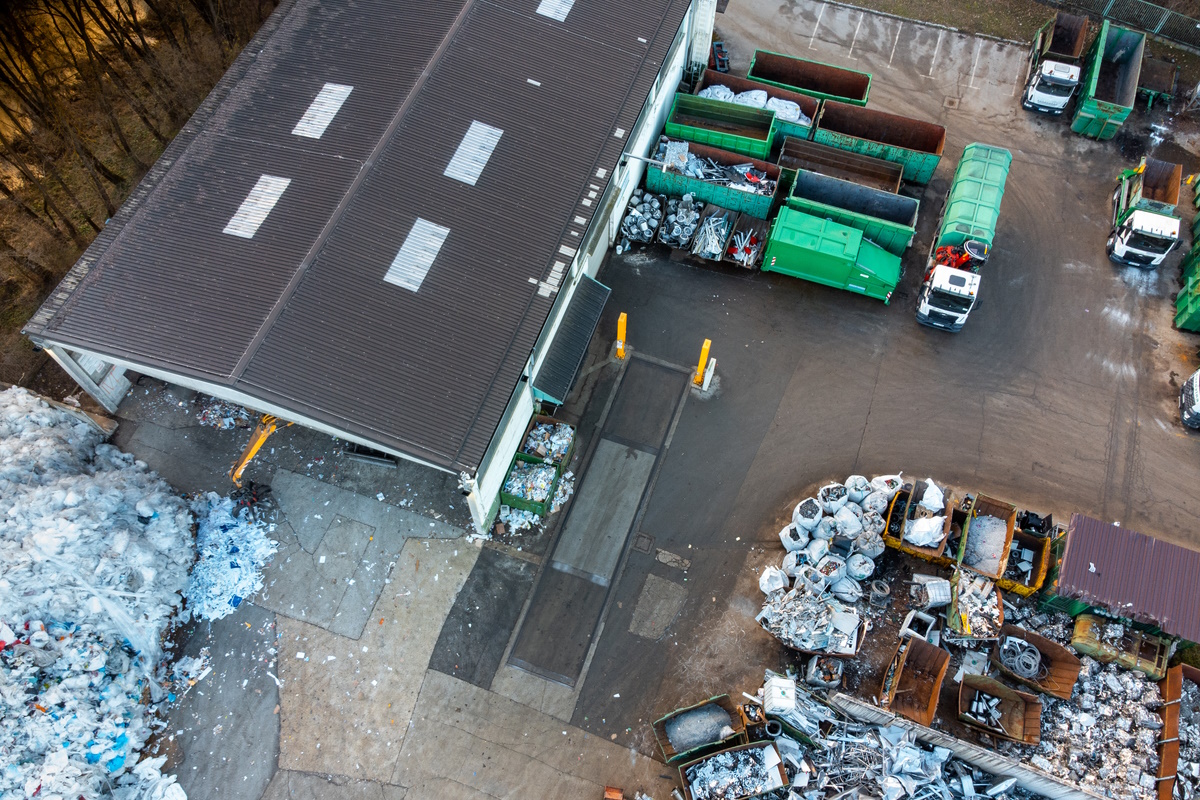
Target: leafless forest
{"points": [[91, 91]]}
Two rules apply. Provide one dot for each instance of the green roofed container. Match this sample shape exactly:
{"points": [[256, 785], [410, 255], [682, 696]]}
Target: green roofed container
{"points": [[889, 220], [1110, 82], [824, 251], [668, 181], [973, 204], [729, 126], [823, 81], [915, 145], [783, 127]]}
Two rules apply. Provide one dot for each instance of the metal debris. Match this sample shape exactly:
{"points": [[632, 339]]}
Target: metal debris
{"points": [[735, 773], [744, 248], [812, 622], [1187, 773], [682, 217], [642, 219], [743, 177], [714, 231]]}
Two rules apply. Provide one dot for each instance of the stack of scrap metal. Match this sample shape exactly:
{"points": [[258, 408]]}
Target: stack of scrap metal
{"points": [[985, 709], [712, 235], [745, 247], [1187, 779], [642, 219], [682, 217], [811, 622], [735, 773], [978, 607]]}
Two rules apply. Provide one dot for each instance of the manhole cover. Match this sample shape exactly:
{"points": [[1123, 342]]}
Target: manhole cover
{"points": [[951, 102], [643, 543]]}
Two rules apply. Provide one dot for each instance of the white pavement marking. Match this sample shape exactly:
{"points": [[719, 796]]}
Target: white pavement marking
{"points": [[813, 38], [893, 55], [936, 49], [850, 52], [975, 63], [1020, 79]]}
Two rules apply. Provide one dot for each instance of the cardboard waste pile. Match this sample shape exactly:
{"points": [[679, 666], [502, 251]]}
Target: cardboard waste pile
{"points": [[831, 545], [94, 555]]}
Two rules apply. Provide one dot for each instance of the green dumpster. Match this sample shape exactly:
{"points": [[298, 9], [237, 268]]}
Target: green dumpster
{"points": [[668, 181], [889, 220], [728, 126], [915, 145], [827, 252], [813, 78], [783, 127]]}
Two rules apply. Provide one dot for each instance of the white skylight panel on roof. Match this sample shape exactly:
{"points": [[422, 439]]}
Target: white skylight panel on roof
{"points": [[257, 206], [420, 248], [322, 111], [473, 153], [555, 9]]}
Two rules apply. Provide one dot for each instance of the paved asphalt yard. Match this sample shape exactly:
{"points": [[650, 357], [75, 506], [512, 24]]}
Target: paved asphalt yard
{"points": [[389, 658]]}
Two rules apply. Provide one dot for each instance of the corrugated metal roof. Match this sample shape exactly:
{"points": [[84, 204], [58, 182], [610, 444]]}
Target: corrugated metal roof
{"points": [[557, 373], [1132, 576], [301, 315]]}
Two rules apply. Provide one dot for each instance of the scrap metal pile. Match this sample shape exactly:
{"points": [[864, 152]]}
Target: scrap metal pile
{"points": [[682, 217], [641, 220], [831, 545], [1105, 738], [743, 177], [850, 757], [979, 607], [735, 774], [1187, 780], [745, 247], [713, 233]]}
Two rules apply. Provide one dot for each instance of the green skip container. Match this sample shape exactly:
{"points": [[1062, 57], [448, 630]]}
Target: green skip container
{"points": [[913, 144], [813, 78], [1110, 82], [665, 181], [783, 127], [727, 126], [889, 220], [827, 252]]}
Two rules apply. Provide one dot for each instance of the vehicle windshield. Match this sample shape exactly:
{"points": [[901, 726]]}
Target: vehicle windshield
{"points": [[1053, 89], [1148, 244], [945, 301]]}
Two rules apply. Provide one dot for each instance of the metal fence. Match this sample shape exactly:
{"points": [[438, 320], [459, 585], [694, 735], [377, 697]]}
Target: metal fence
{"points": [[1149, 17]]}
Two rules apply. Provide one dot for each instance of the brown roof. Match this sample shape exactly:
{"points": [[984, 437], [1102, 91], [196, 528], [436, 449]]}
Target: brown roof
{"points": [[299, 315], [1132, 576]]}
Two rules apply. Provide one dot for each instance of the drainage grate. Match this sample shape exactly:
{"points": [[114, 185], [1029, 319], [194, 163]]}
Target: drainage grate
{"points": [[643, 543], [951, 102]]}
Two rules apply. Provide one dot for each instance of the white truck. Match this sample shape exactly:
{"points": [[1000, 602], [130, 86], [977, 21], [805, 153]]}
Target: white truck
{"points": [[1145, 228], [1055, 62]]}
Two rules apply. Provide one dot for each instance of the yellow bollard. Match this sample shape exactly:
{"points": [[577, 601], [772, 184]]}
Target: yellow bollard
{"points": [[621, 336], [699, 378]]}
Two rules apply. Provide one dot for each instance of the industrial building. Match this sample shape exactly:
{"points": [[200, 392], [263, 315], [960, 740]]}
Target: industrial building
{"points": [[385, 221]]}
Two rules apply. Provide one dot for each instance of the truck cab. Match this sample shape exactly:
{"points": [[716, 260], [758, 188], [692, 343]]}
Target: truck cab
{"points": [[1050, 88], [1144, 226], [1143, 239], [1055, 64], [947, 297], [1189, 401]]}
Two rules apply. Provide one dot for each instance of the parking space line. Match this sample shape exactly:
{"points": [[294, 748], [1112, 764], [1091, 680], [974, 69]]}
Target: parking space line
{"points": [[893, 55], [813, 38], [850, 52], [975, 63], [936, 49], [1020, 82]]}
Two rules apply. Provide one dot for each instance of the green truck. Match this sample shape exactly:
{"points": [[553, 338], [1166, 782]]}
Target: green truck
{"points": [[915, 145], [728, 126], [964, 237], [889, 220], [813, 78], [827, 252], [1110, 82], [1144, 226]]}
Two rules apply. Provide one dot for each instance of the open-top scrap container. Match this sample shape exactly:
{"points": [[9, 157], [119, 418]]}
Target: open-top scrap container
{"points": [[903, 508], [1020, 712], [729, 126], [797, 154], [1170, 688], [692, 750], [783, 127], [668, 181], [977, 558], [773, 755], [913, 680], [1014, 581], [823, 81], [1061, 665], [1136, 649], [915, 145]]}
